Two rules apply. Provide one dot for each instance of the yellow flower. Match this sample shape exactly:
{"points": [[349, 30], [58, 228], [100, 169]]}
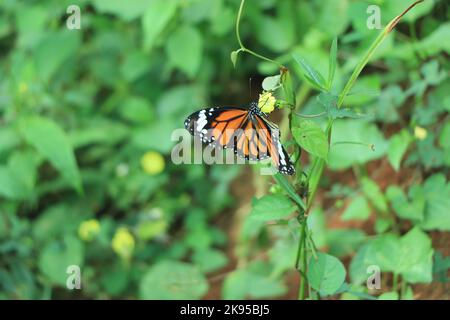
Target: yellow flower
{"points": [[266, 102], [420, 133], [89, 229], [152, 162], [123, 243]]}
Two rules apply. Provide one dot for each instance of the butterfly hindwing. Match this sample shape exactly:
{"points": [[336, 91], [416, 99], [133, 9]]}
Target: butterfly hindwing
{"points": [[275, 149]]}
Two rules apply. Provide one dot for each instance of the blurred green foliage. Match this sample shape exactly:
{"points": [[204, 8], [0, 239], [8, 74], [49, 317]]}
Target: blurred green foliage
{"points": [[86, 118]]}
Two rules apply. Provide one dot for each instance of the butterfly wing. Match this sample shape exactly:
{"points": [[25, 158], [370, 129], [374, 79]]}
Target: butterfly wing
{"points": [[252, 141], [217, 125], [269, 138]]}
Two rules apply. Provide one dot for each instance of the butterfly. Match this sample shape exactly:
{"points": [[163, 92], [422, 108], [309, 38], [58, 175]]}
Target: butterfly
{"points": [[248, 131]]}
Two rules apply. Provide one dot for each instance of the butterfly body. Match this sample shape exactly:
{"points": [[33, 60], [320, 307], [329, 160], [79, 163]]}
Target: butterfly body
{"points": [[248, 131]]}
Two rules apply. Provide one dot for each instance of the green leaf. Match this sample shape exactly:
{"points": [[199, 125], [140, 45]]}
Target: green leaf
{"points": [[436, 41], [333, 17], [115, 278], [365, 90], [283, 252], [10, 187], [242, 283], [437, 195], [58, 220], [431, 73], [444, 137], [326, 274], [175, 280], [311, 137], [374, 194], [30, 22], [209, 260], [332, 63], [9, 139], [397, 147], [52, 142], [55, 257], [317, 226], [155, 18], [410, 256], [287, 85], [286, 185], [344, 242], [343, 156], [359, 264], [54, 50], [272, 207], [23, 166], [276, 33], [137, 110], [382, 225], [150, 229], [386, 252], [125, 10], [357, 210], [441, 266], [163, 129], [233, 57], [388, 296], [271, 83], [135, 65], [407, 209], [329, 102], [176, 101], [99, 131], [417, 257], [393, 7], [313, 77], [18, 178], [185, 49]]}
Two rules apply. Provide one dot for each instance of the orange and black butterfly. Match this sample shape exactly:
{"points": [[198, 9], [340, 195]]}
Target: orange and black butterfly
{"points": [[248, 131]]}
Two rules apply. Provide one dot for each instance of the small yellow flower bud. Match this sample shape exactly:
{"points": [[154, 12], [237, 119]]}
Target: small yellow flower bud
{"points": [[420, 133], [266, 102], [152, 162], [123, 243], [89, 229]]}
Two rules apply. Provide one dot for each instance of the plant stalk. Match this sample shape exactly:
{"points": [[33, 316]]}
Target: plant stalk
{"points": [[244, 48], [301, 258]]}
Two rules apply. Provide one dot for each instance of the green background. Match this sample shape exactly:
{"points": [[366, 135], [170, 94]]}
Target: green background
{"points": [[80, 109]]}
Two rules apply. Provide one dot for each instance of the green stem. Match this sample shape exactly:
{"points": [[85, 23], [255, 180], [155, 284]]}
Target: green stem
{"points": [[301, 258], [362, 63], [310, 115], [370, 146], [243, 48]]}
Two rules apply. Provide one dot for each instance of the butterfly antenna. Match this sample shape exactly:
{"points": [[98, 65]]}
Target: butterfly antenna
{"points": [[250, 86]]}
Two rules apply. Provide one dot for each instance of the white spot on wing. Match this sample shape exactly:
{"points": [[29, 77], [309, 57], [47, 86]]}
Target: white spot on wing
{"points": [[201, 122]]}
